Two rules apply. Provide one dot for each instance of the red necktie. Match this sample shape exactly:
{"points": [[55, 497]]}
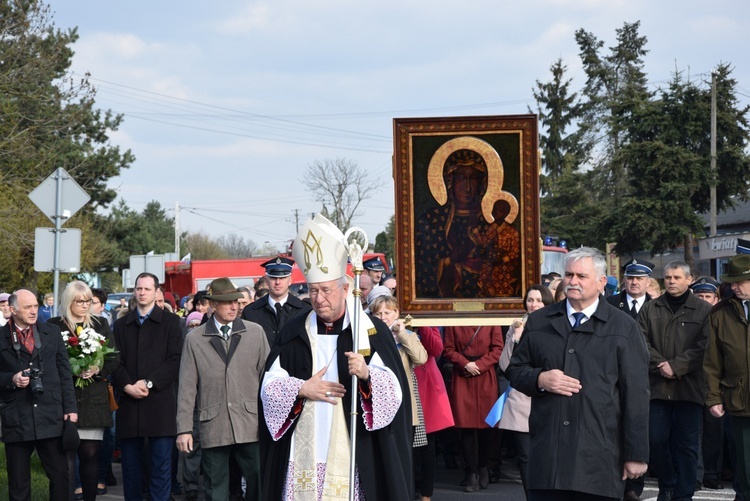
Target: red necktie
{"points": [[27, 339]]}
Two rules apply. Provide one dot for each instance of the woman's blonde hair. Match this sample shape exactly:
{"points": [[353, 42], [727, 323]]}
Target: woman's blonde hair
{"points": [[71, 292], [383, 301]]}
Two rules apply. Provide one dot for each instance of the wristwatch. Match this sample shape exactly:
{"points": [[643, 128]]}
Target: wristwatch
{"points": [[149, 384]]}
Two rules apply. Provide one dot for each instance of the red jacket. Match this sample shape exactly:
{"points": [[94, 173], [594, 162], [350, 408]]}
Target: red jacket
{"points": [[435, 404], [472, 397]]}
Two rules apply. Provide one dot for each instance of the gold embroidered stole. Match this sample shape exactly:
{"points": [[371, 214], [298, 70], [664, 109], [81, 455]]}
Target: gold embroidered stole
{"points": [[336, 480]]}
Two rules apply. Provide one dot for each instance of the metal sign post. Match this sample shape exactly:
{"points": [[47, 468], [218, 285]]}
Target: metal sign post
{"points": [[59, 197]]}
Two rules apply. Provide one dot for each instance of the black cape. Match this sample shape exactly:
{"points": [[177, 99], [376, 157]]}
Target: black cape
{"points": [[384, 457]]}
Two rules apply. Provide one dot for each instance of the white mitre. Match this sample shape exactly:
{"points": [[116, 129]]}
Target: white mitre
{"points": [[322, 253], [320, 250]]}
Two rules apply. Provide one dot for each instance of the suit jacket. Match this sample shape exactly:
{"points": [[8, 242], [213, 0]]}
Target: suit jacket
{"points": [[261, 312], [620, 301], [580, 443], [225, 383], [149, 351], [23, 416]]}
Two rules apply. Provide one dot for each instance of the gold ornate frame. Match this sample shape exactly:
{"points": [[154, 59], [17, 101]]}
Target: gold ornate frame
{"points": [[509, 147]]}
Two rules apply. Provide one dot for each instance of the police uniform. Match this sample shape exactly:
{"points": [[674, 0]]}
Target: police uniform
{"points": [[273, 318], [374, 264], [633, 268]]}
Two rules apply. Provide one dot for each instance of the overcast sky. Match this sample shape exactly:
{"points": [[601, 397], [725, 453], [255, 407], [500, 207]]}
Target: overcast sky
{"points": [[226, 103]]}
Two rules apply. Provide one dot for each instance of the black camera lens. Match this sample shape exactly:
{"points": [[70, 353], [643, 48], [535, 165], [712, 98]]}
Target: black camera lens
{"points": [[35, 381]]}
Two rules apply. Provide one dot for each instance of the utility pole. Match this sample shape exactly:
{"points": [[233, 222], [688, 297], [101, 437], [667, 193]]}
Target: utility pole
{"points": [[296, 220], [713, 155], [177, 229]]}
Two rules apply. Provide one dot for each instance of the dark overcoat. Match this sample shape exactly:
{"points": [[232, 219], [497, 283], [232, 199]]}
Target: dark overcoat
{"points": [[261, 312], [580, 443], [149, 351], [25, 417], [93, 399], [383, 456]]}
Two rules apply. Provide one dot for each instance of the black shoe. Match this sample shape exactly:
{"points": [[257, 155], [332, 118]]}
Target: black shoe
{"points": [[101, 491], [712, 483], [78, 496], [484, 478], [631, 496], [472, 484], [664, 495], [495, 475]]}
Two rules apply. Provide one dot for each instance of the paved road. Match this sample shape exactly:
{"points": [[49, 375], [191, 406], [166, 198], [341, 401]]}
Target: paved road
{"points": [[509, 488]]}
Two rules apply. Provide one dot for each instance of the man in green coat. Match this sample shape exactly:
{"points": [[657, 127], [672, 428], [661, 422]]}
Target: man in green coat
{"points": [[726, 366]]}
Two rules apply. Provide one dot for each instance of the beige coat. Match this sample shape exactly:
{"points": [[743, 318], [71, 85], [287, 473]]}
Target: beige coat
{"points": [[224, 383], [412, 354], [518, 406]]}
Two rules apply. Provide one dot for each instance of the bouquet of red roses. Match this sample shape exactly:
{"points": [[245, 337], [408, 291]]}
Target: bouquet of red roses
{"points": [[86, 348]]}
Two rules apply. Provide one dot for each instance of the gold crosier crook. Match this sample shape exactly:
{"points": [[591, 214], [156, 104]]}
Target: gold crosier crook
{"points": [[356, 253]]}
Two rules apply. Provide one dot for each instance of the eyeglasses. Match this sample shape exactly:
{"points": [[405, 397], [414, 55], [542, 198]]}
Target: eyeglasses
{"points": [[323, 292], [82, 302]]}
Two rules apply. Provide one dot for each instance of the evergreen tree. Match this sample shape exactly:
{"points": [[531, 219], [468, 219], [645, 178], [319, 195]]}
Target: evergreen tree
{"points": [[615, 88], [49, 120], [385, 241], [559, 110], [667, 155], [140, 233]]}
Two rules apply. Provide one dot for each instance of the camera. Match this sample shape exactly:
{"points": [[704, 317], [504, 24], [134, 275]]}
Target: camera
{"points": [[35, 380]]}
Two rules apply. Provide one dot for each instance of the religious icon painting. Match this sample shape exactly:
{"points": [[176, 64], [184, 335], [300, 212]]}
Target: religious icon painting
{"points": [[467, 224]]}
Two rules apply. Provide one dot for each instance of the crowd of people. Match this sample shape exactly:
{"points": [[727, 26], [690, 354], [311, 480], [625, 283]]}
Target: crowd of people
{"points": [[246, 393]]}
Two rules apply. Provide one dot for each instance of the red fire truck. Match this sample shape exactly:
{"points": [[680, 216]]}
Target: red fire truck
{"points": [[190, 277]]}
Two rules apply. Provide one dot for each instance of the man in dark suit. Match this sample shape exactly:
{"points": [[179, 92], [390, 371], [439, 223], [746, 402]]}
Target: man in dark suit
{"points": [[36, 396], [275, 309], [577, 357], [633, 295], [149, 342]]}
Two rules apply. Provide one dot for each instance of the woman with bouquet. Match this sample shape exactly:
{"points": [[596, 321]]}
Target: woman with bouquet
{"points": [[88, 340]]}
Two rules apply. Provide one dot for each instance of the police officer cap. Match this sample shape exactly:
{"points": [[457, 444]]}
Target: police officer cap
{"points": [[278, 267], [743, 246], [705, 284], [638, 268], [373, 264]]}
